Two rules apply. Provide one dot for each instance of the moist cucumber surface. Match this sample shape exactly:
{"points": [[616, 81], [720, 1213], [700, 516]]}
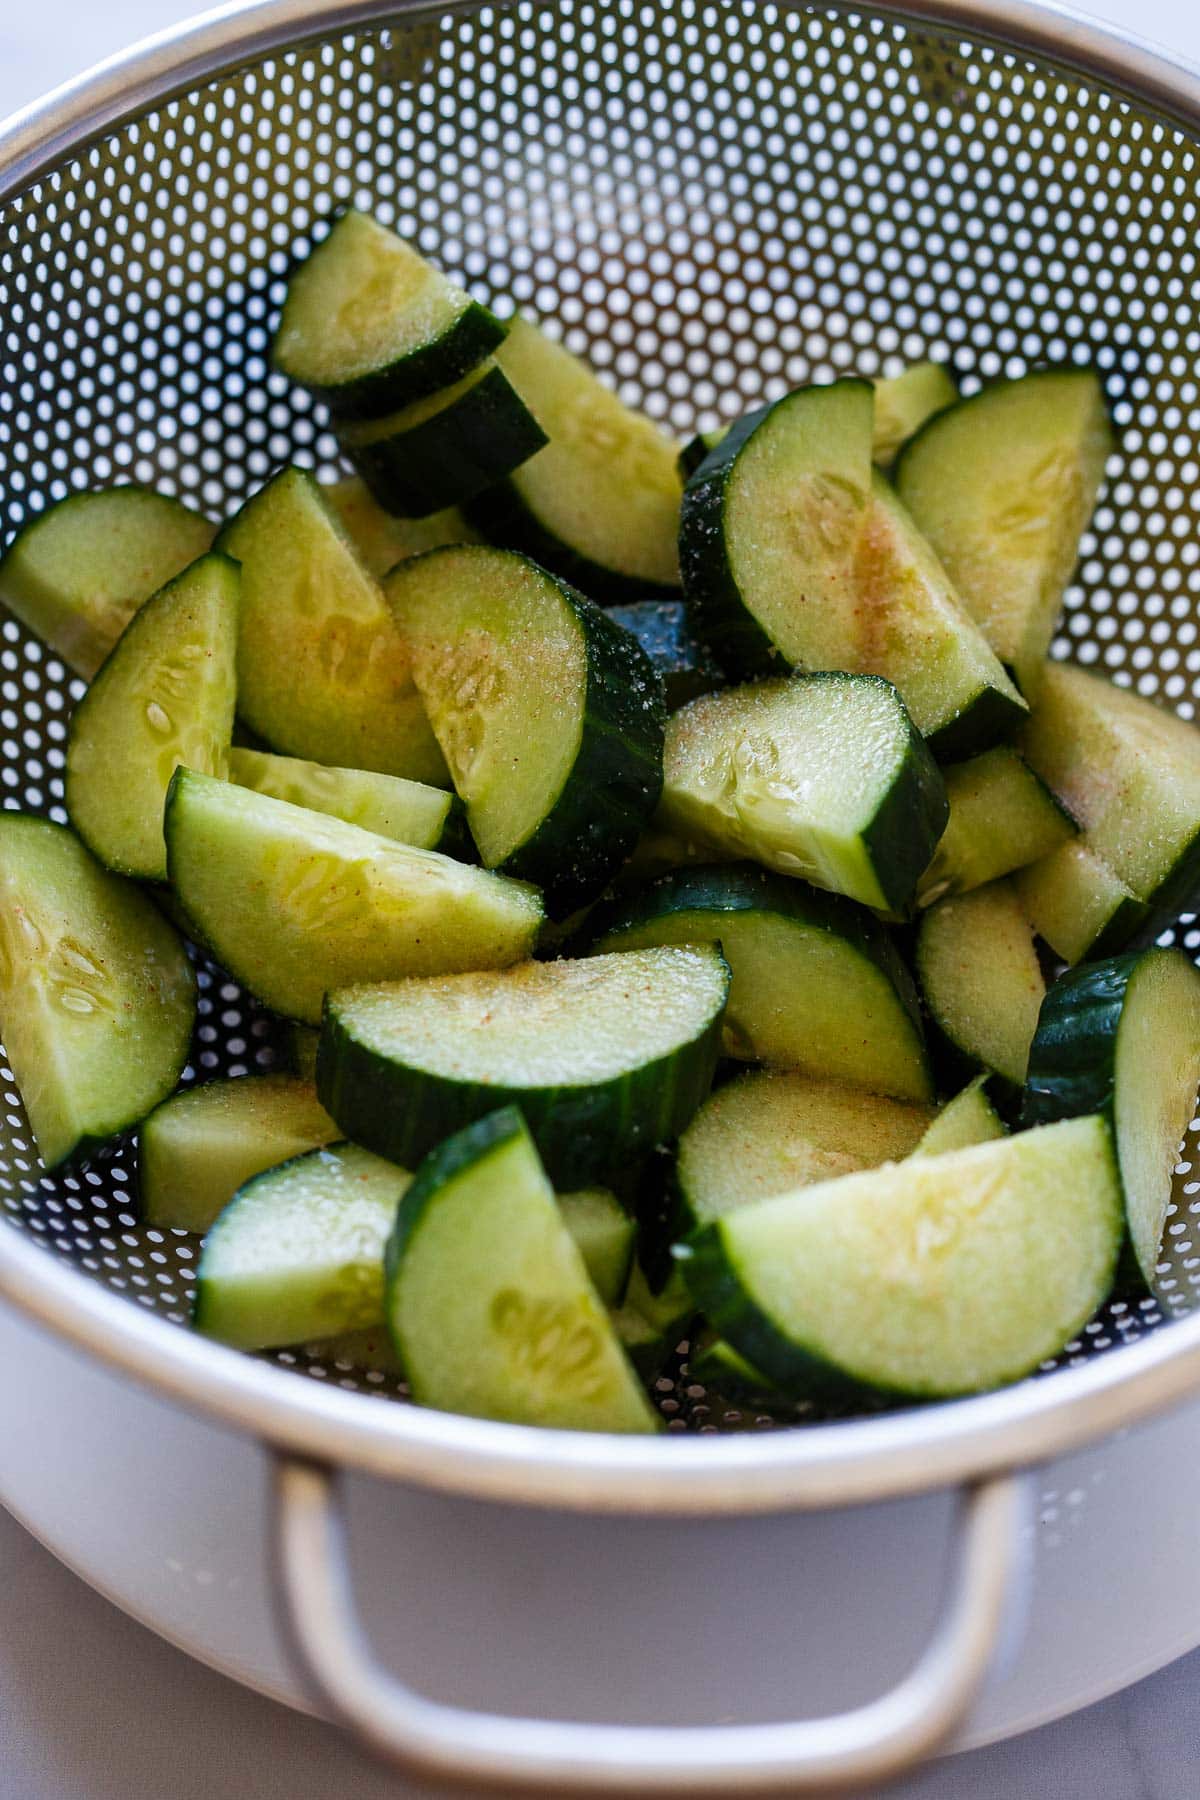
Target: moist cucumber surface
{"points": [[979, 973], [605, 1235], [380, 538], [1002, 817], [409, 811], [969, 1118], [1077, 905], [903, 403]]}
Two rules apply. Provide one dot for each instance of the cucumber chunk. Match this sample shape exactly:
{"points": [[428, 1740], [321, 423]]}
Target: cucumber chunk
{"points": [[294, 902], [549, 715], [76, 573], [979, 972], [1002, 816], [388, 805], [1077, 905], [381, 539], [936, 1276], [821, 776], [1003, 485], [368, 325], [97, 996], [663, 630], [816, 982], [322, 670], [903, 403], [302, 1041], [604, 1234], [488, 1298], [605, 1057], [164, 696], [970, 1118], [199, 1147], [298, 1252], [1122, 1038]]}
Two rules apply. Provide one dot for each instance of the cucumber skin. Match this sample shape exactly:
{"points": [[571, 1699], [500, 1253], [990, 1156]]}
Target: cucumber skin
{"points": [[474, 335], [505, 520], [910, 820], [990, 719], [446, 1160]]}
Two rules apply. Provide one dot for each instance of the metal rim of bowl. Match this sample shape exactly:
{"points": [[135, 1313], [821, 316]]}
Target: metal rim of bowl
{"points": [[805, 1467]]}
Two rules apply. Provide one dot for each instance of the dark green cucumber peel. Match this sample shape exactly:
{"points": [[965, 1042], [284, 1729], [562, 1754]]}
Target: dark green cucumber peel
{"points": [[663, 630], [459, 1150], [473, 336], [989, 719], [911, 818], [1072, 1057], [503, 517]]}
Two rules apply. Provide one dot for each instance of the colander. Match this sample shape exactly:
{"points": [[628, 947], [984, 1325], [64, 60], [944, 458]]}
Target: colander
{"points": [[713, 200]]}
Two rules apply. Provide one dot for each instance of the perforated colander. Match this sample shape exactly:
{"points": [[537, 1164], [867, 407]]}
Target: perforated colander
{"points": [[713, 201]]}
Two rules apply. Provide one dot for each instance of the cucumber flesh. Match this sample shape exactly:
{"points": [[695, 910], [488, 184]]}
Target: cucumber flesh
{"points": [[979, 972], [1002, 816], [903, 403], [970, 1118], [604, 1235], [408, 811], [380, 538], [1077, 905]]}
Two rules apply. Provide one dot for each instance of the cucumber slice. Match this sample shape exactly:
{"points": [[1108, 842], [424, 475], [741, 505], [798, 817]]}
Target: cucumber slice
{"points": [[1122, 1038], [721, 1369], [368, 325], [298, 1252], [381, 539], [600, 504], [322, 670], [903, 403], [604, 1234], [979, 972], [1003, 485], [767, 1132], [643, 1342], [926, 1278], [1002, 816], [447, 448], [78, 572], [697, 450], [663, 630], [549, 715], [488, 1299], [816, 982], [605, 1057], [821, 776], [294, 903], [659, 851], [1077, 905], [97, 997], [670, 1311], [302, 1043], [970, 1118], [164, 696], [391, 807]]}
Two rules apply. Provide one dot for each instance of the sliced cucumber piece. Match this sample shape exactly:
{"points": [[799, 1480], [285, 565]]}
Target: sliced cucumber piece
{"points": [[77, 572], [298, 1252], [816, 982], [903, 403], [1077, 905], [604, 1234], [659, 851], [979, 972], [164, 696], [322, 670], [1002, 816], [488, 1298], [199, 1147], [1122, 1038], [97, 997], [1003, 486], [643, 1342], [600, 504], [294, 902], [605, 1057], [697, 450], [821, 776], [549, 715], [931, 1277], [368, 325], [302, 1041], [409, 811], [381, 539], [663, 630], [970, 1118], [670, 1310]]}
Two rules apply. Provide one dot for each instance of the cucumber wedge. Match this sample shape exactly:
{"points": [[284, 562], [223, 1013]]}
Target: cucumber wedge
{"points": [[368, 325], [322, 670], [78, 572], [298, 1252], [605, 1057], [816, 982], [605, 1235], [381, 539], [1002, 816], [1003, 486], [1122, 1038], [936, 1276], [821, 776], [409, 811], [663, 629], [983, 986], [164, 696], [199, 1147], [1078, 906], [903, 403], [488, 1298], [549, 715], [97, 996], [970, 1118], [294, 903], [302, 1043]]}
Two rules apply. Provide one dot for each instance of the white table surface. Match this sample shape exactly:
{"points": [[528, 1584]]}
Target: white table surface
{"points": [[93, 1707]]}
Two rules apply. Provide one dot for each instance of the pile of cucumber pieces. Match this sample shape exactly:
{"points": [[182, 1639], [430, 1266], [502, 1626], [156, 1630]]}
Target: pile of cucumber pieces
{"points": [[632, 943]]}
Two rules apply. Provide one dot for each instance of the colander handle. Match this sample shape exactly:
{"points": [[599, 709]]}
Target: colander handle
{"points": [[866, 1745]]}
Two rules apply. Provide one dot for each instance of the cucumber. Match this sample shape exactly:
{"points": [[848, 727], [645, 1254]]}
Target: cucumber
{"points": [[164, 696], [302, 1043], [643, 1342], [604, 1234], [293, 902], [298, 1252], [1002, 816], [768, 1132], [600, 504], [488, 1299], [446, 448], [821, 776], [549, 715], [77, 572], [388, 805], [816, 982], [904, 402], [979, 973], [670, 1310], [605, 1057], [970, 1118], [663, 629], [97, 997], [381, 539], [697, 450], [322, 670], [1003, 486], [1077, 905], [1122, 1038], [199, 1147], [659, 851], [368, 325], [927, 1278]]}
